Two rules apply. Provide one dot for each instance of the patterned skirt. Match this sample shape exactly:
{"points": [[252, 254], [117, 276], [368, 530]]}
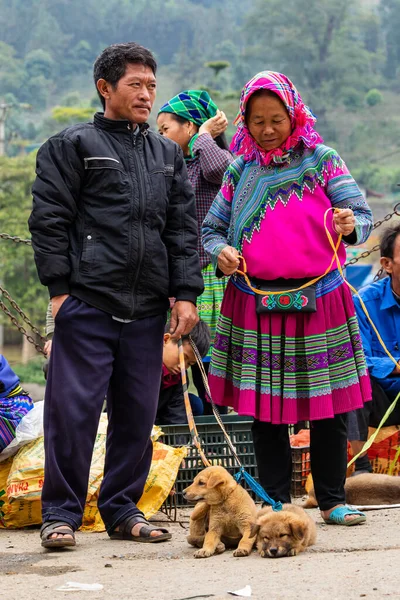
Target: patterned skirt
{"points": [[209, 303], [289, 367]]}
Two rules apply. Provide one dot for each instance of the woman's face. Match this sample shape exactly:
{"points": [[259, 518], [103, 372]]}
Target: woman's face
{"points": [[178, 132], [268, 120]]}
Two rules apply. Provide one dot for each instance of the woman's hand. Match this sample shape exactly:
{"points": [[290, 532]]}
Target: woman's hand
{"points": [[228, 261], [344, 221], [216, 125]]}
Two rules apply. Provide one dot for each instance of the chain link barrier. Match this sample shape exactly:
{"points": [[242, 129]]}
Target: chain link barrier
{"points": [[353, 261], [25, 318], [15, 238], [28, 242], [18, 240]]}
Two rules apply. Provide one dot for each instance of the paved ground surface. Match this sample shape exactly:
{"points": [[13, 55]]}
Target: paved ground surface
{"points": [[346, 563]]}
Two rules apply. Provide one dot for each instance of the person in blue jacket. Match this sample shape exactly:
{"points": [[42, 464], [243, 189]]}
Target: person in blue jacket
{"points": [[382, 300]]}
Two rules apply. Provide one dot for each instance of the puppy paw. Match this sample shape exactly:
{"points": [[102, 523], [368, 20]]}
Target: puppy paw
{"points": [[241, 552], [203, 553], [292, 552], [220, 548]]}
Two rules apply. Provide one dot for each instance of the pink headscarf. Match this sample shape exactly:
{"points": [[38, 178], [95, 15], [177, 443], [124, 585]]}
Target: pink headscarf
{"points": [[301, 118]]}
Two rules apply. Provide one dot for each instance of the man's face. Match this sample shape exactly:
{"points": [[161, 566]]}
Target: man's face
{"points": [[133, 97], [171, 355], [392, 265]]}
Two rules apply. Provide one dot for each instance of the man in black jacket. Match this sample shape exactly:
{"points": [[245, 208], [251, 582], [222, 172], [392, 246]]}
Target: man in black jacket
{"points": [[114, 234]]}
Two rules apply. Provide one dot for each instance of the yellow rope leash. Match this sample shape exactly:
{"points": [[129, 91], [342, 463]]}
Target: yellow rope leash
{"points": [[391, 408], [189, 413], [302, 287], [192, 426], [336, 259]]}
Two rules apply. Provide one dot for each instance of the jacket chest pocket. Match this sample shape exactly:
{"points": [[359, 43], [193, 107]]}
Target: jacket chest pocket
{"points": [[105, 178], [88, 250], [161, 182]]}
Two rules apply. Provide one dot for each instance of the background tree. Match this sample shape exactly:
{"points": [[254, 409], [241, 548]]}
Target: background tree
{"points": [[17, 267]]}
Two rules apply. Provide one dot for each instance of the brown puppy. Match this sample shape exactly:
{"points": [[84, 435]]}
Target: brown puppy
{"points": [[223, 516], [366, 489], [284, 533]]}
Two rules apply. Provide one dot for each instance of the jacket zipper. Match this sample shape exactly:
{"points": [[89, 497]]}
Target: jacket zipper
{"points": [[141, 245]]}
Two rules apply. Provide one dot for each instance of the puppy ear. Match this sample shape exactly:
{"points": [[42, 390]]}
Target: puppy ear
{"points": [[255, 528], [215, 479], [297, 528]]}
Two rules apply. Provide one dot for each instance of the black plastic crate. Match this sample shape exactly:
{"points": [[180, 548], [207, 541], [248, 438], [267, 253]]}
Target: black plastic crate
{"points": [[214, 445], [217, 450]]}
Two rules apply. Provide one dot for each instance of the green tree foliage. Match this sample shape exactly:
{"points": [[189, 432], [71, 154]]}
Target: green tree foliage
{"points": [[390, 13], [17, 268], [373, 97], [318, 43], [12, 72], [217, 66], [69, 115], [39, 63]]}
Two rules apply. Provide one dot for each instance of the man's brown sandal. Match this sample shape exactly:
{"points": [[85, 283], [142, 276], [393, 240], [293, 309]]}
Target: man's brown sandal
{"points": [[60, 528], [125, 531]]}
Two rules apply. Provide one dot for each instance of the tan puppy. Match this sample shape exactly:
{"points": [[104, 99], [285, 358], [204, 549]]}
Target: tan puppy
{"points": [[223, 516], [283, 533], [366, 489]]}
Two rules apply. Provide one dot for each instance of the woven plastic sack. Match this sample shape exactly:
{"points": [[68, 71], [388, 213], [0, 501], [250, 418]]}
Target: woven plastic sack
{"points": [[25, 476]]}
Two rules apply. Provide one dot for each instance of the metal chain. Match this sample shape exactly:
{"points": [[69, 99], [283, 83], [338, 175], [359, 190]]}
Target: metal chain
{"points": [[21, 329], [15, 238], [14, 321], [21, 313], [396, 211], [6, 295], [365, 254], [28, 242]]}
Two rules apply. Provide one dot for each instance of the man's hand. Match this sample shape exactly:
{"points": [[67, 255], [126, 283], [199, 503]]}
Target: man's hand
{"points": [[183, 318], [56, 304], [228, 261], [344, 221], [215, 126]]}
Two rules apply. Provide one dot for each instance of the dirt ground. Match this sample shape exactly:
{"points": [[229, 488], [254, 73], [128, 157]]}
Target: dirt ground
{"points": [[347, 562]]}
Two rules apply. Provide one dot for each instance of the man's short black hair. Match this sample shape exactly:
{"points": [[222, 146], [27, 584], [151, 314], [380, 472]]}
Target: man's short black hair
{"points": [[200, 335], [112, 62], [388, 240]]}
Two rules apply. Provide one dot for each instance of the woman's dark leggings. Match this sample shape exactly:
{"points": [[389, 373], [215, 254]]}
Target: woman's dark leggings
{"points": [[328, 450]]}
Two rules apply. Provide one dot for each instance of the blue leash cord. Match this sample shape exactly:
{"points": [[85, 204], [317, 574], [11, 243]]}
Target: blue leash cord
{"points": [[257, 489]]}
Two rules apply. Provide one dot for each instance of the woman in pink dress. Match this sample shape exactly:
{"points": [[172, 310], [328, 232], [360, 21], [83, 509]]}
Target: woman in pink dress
{"points": [[294, 356]]}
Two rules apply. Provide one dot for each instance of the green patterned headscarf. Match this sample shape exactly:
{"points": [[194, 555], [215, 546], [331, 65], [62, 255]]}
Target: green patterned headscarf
{"points": [[193, 105]]}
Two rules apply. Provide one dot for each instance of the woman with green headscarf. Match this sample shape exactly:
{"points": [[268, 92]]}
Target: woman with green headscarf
{"points": [[192, 120]]}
